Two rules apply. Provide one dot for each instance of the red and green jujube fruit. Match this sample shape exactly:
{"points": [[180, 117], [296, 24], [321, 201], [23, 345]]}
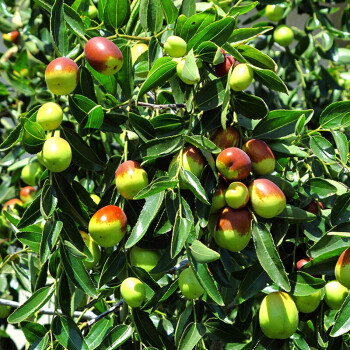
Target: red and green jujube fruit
{"points": [[283, 35], [103, 55], [237, 195], [107, 226], [266, 198], [179, 68], [308, 303], [278, 316], [314, 207], [130, 178], [11, 38], [223, 68], [335, 294], [50, 116], [175, 46], [233, 229], [274, 12], [189, 284], [226, 138], [342, 268], [93, 248], [302, 262], [241, 77], [133, 291], [31, 173], [137, 50], [56, 154], [27, 194], [145, 258], [233, 164], [10, 205], [62, 76], [263, 160]]}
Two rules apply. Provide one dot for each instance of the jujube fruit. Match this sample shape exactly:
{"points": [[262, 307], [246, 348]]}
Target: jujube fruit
{"points": [[226, 138], [335, 294], [10, 205], [27, 194], [223, 68], [266, 198], [175, 46], [62, 76], [278, 316], [283, 35], [314, 207], [241, 77], [137, 50], [103, 55], [189, 284], [342, 268], [130, 178], [299, 265], [237, 195], [133, 291], [179, 70], [274, 12], [107, 226], [11, 38], [31, 173], [218, 200], [50, 116], [263, 160], [145, 258], [56, 154], [93, 248], [308, 303]]}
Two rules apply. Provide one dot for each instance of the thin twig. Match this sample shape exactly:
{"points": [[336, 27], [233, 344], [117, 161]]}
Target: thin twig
{"points": [[155, 106], [104, 314]]}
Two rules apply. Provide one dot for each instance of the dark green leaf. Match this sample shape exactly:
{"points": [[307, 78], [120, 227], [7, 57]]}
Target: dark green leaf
{"points": [[211, 95], [250, 106], [303, 284], [50, 235], [151, 15], [193, 184], [294, 214], [342, 323], [191, 336], [336, 115], [116, 337], [58, 28], [116, 13], [98, 332], [182, 228], [158, 185]]}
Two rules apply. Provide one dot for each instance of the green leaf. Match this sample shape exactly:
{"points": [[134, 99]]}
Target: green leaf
{"points": [[211, 95], [158, 185], [74, 21], [151, 15], [202, 253], [319, 187], [116, 337], [182, 228], [31, 214], [98, 332], [116, 13], [113, 265], [322, 148], [202, 143], [32, 305], [31, 239], [193, 184], [142, 126], [207, 51], [342, 323], [304, 284], [161, 147], [341, 209], [342, 144], [169, 10], [33, 137], [257, 58], [41, 344], [270, 79], [58, 28], [224, 331], [68, 334], [50, 235], [336, 116], [294, 215], [147, 215], [188, 7], [33, 331], [94, 118], [48, 201], [12, 138], [251, 106], [242, 35], [191, 336], [269, 257], [190, 70], [76, 272], [125, 75], [287, 149]]}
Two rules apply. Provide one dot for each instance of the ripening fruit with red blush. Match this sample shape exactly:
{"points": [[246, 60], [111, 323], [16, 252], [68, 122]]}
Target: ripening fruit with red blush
{"points": [[223, 68], [233, 229], [103, 55], [263, 160], [342, 268], [11, 38], [62, 76], [234, 164], [314, 207], [130, 179], [302, 262], [266, 198], [226, 138], [107, 226], [27, 194], [10, 205]]}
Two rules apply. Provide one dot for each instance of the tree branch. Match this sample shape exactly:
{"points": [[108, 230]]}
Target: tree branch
{"points": [[155, 106]]}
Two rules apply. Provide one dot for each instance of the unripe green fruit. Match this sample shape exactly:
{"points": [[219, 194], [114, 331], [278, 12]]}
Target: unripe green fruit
{"points": [[137, 50], [175, 46], [133, 291], [10, 205], [92, 11], [278, 316], [130, 178], [189, 285], [57, 154], [237, 195], [335, 294], [93, 248], [308, 303], [144, 258], [283, 35], [50, 116], [342, 268], [274, 12], [179, 68], [31, 173], [241, 77]]}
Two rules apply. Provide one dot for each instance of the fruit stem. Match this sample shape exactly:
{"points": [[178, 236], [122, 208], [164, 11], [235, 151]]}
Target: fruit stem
{"points": [[80, 56], [131, 37], [194, 310], [237, 3]]}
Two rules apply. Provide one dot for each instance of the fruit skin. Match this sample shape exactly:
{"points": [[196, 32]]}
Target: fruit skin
{"points": [[95, 198], [189, 285], [233, 163], [278, 316], [10, 204], [103, 55], [218, 200], [237, 195], [50, 116], [11, 38], [137, 50], [342, 268], [107, 226], [226, 138], [144, 258], [179, 68], [62, 76], [27, 194], [233, 229], [314, 207], [263, 160], [302, 262], [335, 294], [57, 154], [274, 12], [133, 291], [266, 198], [283, 35], [31, 173], [223, 68], [130, 178], [308, 303], [92, 11], [175, 46], [94, 250], [241, 77]]}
